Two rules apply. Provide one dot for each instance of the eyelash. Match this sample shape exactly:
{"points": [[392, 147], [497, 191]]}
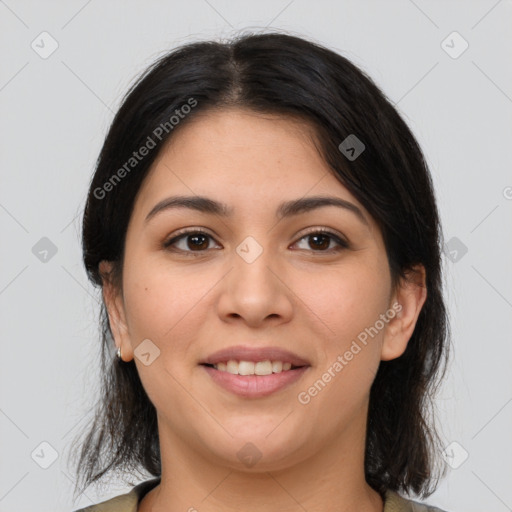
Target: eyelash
{"points": [[342, 244]]}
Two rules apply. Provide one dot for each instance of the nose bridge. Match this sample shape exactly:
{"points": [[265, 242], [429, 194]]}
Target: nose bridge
{"points": [[254, 292], [252, 261], [250, 250]]}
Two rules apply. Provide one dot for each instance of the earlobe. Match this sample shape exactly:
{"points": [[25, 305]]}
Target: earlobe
{"points": [[115, 309], [411, 294]]}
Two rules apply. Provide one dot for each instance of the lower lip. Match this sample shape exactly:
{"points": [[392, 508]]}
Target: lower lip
{"points": [[255, 386]]}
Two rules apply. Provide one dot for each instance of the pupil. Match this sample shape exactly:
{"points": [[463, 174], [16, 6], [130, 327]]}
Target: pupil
{"points": [[324, 237], [195, 244]]}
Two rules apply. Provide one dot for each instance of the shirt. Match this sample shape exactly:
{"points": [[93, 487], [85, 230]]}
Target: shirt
{"points": [[129, 502]]}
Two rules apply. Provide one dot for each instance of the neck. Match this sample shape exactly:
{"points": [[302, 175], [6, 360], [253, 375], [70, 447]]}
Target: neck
{"points": [[332, 479]]}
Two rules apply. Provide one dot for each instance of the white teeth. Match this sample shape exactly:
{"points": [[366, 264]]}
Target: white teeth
{"points": [[232, 367], [245, 368], [277, 366], [263, 368], [221, 366], [250, 368]]}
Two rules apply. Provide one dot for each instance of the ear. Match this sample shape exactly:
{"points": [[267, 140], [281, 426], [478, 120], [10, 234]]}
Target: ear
{"points": [[407, 301], [113, 298]]}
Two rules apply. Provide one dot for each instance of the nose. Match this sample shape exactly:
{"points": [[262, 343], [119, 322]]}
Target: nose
{"points": [[255, 291]]}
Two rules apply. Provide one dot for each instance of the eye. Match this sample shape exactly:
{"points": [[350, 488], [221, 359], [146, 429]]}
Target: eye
{"points": [[196, 241], [320, 240], [189, 241]]}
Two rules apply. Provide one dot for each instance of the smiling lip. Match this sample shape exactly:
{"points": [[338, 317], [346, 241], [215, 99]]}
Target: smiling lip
{"points": [[245, 353], [255, 386]]}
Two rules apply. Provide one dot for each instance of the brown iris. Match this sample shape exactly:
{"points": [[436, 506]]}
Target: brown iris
{"points": [[195, 244], [324, 245]]}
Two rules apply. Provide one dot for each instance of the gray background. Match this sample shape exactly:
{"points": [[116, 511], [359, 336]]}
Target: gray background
{"points": [[55, 113]]}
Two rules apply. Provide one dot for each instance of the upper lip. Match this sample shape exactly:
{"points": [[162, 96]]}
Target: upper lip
{"points": [[245, 353]]}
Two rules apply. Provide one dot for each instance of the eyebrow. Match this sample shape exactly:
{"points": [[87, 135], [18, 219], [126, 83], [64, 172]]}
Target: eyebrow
{"points": [[286, 209]]}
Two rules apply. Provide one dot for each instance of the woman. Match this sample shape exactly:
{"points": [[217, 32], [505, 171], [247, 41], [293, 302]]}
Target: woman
{"points": [[264, 230]]}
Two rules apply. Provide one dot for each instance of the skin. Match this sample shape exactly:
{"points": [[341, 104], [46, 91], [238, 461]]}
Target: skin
{"points": [[298, 294]]}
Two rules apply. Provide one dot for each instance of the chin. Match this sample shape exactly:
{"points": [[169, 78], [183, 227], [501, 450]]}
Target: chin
{"points": [[259, 450]]}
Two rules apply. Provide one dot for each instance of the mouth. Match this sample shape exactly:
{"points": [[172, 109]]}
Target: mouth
{"points": [[274, 367], [252, 372], [262, 358], [251, 385]]}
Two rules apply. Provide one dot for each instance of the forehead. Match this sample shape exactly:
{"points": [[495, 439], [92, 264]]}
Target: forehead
{"points": [[241, 158], [245, 144]]}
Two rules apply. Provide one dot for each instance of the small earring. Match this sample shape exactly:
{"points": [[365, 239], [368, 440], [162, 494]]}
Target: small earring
{"points": [[118, 353]]}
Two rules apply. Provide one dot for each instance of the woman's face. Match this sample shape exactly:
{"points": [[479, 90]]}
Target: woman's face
{"points": [[255, 278]]}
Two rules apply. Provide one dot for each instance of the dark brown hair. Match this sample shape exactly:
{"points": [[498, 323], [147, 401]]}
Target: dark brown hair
{"points": [[289, 76]]}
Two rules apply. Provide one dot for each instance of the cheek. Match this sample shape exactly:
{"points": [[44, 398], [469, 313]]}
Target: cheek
{"points": [[163, 306], [158, 300], [344, 302], [341, 310]]}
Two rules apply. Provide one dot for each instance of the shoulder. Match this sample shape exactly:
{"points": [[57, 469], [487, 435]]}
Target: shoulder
{"points": [[127, 502], [396, 503]]}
